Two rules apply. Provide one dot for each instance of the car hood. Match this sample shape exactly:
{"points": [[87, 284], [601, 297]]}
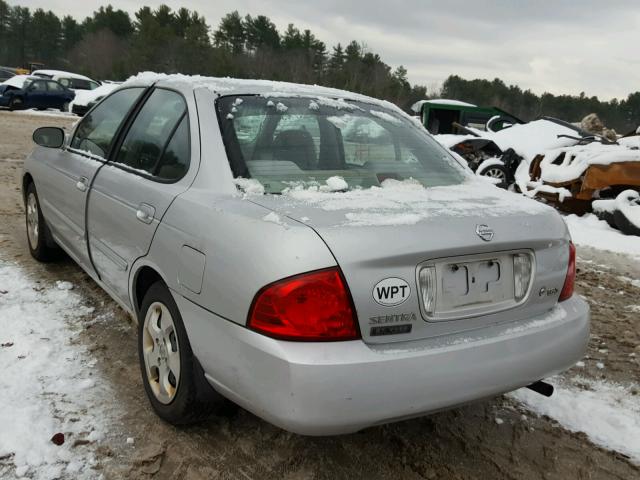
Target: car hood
{"points": [[386, 232]]}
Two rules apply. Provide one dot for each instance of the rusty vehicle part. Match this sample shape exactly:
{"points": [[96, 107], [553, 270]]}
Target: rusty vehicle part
{"points": [[596, 182]]}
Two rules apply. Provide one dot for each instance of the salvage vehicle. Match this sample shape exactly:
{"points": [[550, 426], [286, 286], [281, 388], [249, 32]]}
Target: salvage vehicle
{"points": [[595, 168], [443, 116], [72, 81], [310, 254], [27, 91]]}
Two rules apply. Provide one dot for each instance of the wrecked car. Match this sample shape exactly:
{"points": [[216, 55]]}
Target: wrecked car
{"points": [[573, 177], [27, 91]]}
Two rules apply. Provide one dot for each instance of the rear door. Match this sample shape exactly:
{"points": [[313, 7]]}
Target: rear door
{"points": [[67, 173], [131, 194], [55, 95]]}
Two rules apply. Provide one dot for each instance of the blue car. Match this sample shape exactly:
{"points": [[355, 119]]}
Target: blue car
{"points": [[26, 91]]}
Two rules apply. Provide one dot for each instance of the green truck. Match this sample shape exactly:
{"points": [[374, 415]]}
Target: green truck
{"points": [[442, 116]]}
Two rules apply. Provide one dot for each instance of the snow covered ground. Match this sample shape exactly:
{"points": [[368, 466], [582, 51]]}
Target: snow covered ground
{"points": [[608, 413], [590, 231], [48, 384], [45, 113]]}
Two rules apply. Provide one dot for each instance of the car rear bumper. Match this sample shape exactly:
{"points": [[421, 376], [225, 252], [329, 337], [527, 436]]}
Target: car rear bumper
{"points": [[343, 387]]}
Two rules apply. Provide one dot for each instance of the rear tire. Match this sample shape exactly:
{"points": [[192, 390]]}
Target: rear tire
{"points": [[172, 376], [65, 107], [41, 244]]}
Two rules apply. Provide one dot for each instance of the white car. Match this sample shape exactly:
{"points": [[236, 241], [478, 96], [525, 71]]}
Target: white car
{"points": [[72, 81]]}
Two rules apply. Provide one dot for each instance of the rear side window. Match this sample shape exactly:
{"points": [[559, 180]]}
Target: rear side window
{"points": [[55, 87], [97, 130], [145, 146]]}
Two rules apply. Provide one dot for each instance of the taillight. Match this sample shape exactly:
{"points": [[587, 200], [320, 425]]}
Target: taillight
{"points": [[570, 280], [314, 306]]}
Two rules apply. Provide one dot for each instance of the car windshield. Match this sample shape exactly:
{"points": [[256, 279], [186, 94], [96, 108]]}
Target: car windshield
{"points": [[287, 142]]}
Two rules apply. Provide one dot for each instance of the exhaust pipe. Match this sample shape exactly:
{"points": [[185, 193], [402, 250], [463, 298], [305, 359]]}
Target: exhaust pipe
{"points": [[543, 388]]}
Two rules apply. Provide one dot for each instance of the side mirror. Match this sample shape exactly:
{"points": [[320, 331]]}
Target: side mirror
{"points": [[50, 137]]}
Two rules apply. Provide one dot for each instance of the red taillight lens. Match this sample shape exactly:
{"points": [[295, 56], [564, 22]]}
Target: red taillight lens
{"points": [[314, 306], [570, 280]]}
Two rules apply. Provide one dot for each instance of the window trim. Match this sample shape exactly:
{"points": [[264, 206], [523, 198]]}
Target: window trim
{"points": [[127, 127], [105, 160]]}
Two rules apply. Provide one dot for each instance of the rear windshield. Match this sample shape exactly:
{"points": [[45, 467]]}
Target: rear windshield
{"points": [[289, 142]]}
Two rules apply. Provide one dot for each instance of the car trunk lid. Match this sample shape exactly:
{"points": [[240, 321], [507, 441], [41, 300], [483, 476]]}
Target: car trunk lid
{"points": [[382, 237]]}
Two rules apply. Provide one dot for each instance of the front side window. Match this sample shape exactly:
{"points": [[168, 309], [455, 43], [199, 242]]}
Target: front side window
{"points": [[38, 86], [152, 131], [97, 130], [285, 142]]}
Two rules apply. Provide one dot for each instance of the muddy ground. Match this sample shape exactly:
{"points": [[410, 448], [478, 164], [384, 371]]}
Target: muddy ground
{"points": [[465, 443]]}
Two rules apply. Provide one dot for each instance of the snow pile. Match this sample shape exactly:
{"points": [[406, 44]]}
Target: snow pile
{"points": [[85, 97], [407, 202], [580, 157], [273, 217], [48, 384], [590, 231], [450, 140], [627, 202], [336, 184], [607, 413], [533, 138], [250, 186]]}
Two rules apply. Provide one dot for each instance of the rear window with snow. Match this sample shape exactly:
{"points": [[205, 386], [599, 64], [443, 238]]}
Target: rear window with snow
{"points": [[291, 142]]}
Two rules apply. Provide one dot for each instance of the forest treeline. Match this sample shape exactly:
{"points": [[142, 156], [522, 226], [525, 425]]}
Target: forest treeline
{"points": [[111, 44]]}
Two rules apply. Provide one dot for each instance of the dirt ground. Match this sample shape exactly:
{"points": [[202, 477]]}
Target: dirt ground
{"points": [[465, 443]]}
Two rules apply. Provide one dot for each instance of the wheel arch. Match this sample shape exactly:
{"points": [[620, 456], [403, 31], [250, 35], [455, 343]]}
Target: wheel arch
{"points": [[27, 179], [145, 275]]}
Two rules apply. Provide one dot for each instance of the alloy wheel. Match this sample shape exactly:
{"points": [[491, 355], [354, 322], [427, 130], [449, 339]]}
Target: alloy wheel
{"points": [[161, 352], [33, 227]]}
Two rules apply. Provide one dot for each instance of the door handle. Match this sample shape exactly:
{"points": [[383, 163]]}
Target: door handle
{"points": [[145, 213], [82, 184]]}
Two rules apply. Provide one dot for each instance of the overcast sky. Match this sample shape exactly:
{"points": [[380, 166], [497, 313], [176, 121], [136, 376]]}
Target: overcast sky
{"points": [[560, 46]]}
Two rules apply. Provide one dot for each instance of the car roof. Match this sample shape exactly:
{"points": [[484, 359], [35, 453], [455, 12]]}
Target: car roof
{"points": [[61, 73], [234, 86]]}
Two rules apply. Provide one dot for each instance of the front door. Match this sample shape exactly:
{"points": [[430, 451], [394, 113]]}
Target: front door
{"points": [[36, 96], [132, 192], [69, 172]]}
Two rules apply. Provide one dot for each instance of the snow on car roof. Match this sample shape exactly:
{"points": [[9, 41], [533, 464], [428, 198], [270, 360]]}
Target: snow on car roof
{"points": [[417, 107], [269, 88], [18, 80], [61, 73]]}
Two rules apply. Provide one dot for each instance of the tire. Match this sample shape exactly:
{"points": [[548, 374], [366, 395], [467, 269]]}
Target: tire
{"points": [[496, 171], [185, 396], [41, 244], [15, 103], [65, 107]]}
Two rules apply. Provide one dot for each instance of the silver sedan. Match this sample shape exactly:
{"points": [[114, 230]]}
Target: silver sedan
{"points": [[310, 254]]}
